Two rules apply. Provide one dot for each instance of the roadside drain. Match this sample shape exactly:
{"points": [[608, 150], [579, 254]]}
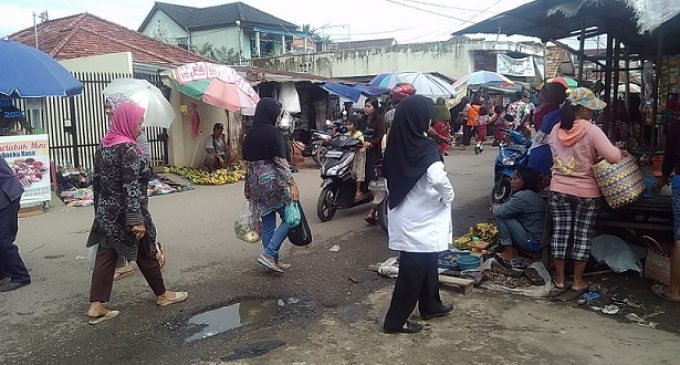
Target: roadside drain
{"points": [[230, 317]]}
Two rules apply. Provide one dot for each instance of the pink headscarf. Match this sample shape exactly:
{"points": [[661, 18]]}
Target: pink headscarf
{"points": [[126, 118]]}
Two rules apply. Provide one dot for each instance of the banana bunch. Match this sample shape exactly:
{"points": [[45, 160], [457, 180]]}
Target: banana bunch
{"points": [[218, 177], [462, 242], [486, 231]]}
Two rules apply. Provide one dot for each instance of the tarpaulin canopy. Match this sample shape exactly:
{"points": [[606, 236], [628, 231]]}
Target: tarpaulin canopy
{"points": [[352, 92]]}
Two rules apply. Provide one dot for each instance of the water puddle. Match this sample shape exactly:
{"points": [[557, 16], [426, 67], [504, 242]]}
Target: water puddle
{"points": [[230, 317], [253, 350]]}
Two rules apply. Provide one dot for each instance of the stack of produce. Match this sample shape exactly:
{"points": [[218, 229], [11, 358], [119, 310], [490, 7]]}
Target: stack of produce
{"points": [[481, 236], [218, 177]]}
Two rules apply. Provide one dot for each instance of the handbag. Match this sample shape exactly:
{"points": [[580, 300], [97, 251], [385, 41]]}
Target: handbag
{"points": [[621, 183], [300, 235]]}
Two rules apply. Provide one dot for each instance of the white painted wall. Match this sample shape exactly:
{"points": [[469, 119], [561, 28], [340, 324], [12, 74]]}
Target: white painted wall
{"points": [[113, 62], [452, 58], [163, 28]]}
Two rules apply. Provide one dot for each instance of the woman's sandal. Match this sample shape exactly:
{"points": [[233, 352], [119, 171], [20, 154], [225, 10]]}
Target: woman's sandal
{"points": [[180, 296], [661, 292], [106, 317], [410, 327], [119, 275]]}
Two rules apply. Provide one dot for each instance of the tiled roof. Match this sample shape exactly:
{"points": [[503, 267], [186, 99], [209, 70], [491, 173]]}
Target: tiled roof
{"points": [[217, 16], [85, 35], [372, 43]]}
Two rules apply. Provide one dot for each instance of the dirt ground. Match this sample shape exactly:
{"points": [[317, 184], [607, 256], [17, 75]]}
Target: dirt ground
{"points": [[332, 305]]}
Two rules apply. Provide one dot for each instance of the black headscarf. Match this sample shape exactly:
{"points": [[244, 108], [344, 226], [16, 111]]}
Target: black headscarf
{"points": [[409, 152], [264, 141]]}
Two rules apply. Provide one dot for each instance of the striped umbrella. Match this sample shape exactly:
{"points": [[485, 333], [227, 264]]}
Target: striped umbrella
{"points": [[566, 81], [386, 80], [481, 78], [218, 85]]}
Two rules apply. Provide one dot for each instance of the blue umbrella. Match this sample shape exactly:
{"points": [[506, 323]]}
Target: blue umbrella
{"points": [[30, 73], [353, 92]]}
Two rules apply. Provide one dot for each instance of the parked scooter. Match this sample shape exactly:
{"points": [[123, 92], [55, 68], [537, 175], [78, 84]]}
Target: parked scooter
{"points": [[321, 141], [380, 196], [510, 156]]}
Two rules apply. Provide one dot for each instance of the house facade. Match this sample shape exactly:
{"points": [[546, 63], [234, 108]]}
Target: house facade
{"points": [[233, 29]]}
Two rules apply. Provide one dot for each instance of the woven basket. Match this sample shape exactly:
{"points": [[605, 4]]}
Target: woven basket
{"points": [[620, 183]]}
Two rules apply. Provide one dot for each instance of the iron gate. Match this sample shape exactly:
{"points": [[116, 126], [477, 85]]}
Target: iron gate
{"points": [[76, 125]]}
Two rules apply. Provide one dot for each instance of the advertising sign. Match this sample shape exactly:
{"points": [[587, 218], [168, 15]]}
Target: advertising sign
{"points": [[29, 158]]}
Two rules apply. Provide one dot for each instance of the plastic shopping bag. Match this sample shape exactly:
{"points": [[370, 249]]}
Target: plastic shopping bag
{"points": [[293, 217], [246, 225], [300, 235]]}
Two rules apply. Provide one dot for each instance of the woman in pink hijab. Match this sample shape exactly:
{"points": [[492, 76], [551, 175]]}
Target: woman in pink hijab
{"points": [[122, 225]]}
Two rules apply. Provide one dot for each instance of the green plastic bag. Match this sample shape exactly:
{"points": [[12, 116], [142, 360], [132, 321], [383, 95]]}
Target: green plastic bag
{"points": [[293, 216]]}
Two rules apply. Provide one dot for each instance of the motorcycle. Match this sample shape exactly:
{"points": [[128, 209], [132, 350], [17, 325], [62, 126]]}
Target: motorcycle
{"points": [[321, 141], [339, 183], [380, 196], [510, 156], [288, 125]]}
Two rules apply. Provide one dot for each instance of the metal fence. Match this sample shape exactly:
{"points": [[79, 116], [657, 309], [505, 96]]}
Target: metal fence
{"points": [[76, 125]]}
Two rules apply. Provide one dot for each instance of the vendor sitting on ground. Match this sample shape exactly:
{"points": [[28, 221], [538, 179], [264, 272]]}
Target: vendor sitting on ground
{"points": [[520, 220], [217, 149]]}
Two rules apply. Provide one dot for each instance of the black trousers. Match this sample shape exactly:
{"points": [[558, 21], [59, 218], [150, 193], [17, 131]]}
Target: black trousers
{"points": [[105, 267], [418, 282], [467, 135], [11, 265]]}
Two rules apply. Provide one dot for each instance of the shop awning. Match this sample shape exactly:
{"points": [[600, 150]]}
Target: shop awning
{"points": [[352, 92], [559, 19]]}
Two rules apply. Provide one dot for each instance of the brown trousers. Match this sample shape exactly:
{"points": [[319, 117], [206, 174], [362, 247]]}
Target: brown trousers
{"points": [[105, 267]]}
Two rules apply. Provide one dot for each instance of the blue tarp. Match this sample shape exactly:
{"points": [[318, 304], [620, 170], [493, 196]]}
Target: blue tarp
{"points": [[353, 92]]}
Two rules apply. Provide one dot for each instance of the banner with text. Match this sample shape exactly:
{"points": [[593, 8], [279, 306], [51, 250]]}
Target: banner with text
{"points": [[520, 67], [29, 158]]}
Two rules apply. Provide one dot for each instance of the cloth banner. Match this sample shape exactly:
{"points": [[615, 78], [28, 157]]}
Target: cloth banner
{"points": [[29, 158], [519, 67]]}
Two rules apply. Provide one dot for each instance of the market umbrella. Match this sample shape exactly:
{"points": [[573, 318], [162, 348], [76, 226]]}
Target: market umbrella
{"points": [[634, 89], [385, 80], [481, 78], [353, 92], [30, 73], [426, 84], [218, 85], [159, 112], [571, 83]]}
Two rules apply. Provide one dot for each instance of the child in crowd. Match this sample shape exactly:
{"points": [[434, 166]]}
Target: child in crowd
{"points": [[481, 124], [359, 165]]}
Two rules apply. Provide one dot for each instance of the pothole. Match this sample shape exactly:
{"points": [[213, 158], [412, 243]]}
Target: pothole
{"points": [[253, 350], [233, 316]]}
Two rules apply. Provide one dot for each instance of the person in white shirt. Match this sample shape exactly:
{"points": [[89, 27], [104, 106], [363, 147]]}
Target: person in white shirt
{"points": [[420, 214]]}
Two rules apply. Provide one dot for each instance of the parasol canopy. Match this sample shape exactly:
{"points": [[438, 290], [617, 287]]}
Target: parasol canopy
{"points": [[159, 112]]}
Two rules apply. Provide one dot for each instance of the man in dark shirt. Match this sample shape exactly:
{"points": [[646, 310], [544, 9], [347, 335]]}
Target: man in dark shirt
{"points": [[12, 270]]}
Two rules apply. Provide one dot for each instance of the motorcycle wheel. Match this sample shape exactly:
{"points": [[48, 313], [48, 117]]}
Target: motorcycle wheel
{"points": [[501, 192], [320, 156], [325, 209], [383, 207]]}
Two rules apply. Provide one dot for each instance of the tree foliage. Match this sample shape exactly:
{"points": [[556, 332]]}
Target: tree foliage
{"points": [[221, 55]]}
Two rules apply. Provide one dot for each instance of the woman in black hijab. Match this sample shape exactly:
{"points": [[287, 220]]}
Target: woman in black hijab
{"points": [[269, 182], [420, 214]]}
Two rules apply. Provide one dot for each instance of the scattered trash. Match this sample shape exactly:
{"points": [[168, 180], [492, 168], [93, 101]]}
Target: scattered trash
{"points": [[335, 248], [589, 297], [293, 300], [611, 309], [281, 303], [390, 267], [563, 332], [81, 257], [596, 308], [640, 321]]}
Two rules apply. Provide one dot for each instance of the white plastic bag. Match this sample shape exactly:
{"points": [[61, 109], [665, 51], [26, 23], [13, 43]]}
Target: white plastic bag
{"points": [[246, 225]]}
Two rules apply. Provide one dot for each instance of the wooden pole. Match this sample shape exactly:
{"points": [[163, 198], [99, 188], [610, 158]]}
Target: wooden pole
{"points": [[581, 58], [626, 56], [607, 69], [655, 94], [615, 87]]}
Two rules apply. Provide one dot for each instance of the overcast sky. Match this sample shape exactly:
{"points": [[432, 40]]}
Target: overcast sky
{"points": [[362, 19]]}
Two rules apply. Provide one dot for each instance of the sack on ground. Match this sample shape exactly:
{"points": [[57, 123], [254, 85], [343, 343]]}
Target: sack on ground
{"points": [[293, 217], [245, 225], [300, 235]]}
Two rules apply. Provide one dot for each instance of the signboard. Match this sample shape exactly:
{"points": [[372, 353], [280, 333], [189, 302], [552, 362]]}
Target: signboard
{"points": [[29, 158], [519, 67]]}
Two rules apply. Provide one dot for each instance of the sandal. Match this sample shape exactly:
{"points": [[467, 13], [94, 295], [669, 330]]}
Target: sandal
{"points": [[662, 292], [410, 327], [119, 275], [560, 287], [180, 296], [106, 317]]}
